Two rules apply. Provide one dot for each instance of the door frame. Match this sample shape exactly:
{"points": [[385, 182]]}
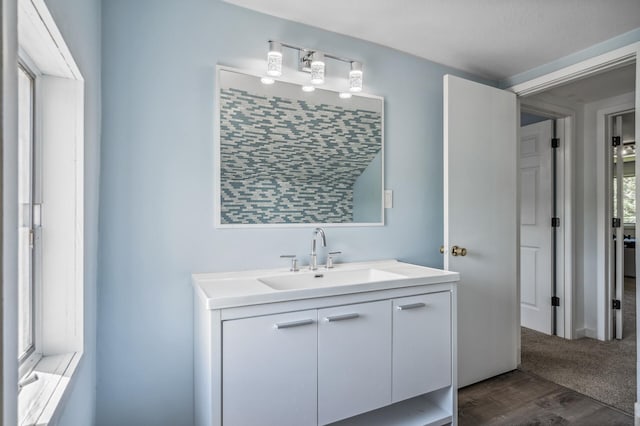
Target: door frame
{"points": [[566, 121], [607, 61]]}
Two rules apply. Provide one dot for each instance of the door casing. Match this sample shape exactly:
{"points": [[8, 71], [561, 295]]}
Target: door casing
{"points": [[607, 61]]}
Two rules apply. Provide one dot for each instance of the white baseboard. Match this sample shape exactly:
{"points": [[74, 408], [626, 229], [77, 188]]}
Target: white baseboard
{"points": [[636, 409], [586, 332]]}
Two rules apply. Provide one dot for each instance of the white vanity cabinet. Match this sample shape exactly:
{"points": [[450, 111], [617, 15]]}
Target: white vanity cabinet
{"points": [[269, 362], [354, 359], [381, 354]]}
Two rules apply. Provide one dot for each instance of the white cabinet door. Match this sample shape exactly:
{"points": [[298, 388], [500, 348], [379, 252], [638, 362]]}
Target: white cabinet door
{"points": [[269, 370], [421, 344], [354, 359]]}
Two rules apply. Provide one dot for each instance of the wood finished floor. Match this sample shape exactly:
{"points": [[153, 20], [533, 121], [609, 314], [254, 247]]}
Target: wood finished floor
{"points": [[520, 398]]}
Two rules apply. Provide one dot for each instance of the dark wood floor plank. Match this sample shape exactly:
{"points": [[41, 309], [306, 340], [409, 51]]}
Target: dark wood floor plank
{"points": [[520, 398]]}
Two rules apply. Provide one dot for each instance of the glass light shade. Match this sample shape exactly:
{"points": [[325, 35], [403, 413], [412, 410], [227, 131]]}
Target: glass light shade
{"points": [[317, 68], [274, 63], [274, 59], [345, 95], [308, 88], [267, 80], [355, 80]]}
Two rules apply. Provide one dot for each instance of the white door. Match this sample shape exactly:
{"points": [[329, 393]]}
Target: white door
{"points": [[421, 344], [481, 216], [354, 360], [618, 231], [280, 387], [536, 279]]}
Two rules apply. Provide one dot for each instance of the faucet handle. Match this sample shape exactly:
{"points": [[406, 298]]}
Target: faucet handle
{"points": [[294, 261], [330, 255]]}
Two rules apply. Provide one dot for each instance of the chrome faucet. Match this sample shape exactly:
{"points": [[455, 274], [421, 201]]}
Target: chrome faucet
{"points": [[313, 262]]}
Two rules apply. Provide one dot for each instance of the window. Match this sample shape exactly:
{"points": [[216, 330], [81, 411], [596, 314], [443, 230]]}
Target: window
{"points": [[26, 192], [49, 198], [629, 199]]}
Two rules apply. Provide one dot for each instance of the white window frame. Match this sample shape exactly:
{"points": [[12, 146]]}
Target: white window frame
{"points": [[28, 364], [59, 281]]}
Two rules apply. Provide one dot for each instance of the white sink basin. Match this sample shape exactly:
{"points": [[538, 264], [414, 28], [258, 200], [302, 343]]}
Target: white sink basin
{"points": [[324, 278]]}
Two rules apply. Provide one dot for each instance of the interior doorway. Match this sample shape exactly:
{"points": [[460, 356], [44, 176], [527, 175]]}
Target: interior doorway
{"points": [[621, 128], [585, 360]]}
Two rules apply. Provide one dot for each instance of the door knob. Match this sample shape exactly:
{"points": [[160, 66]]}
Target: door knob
{"points": [[441, 249], [458, 251]]}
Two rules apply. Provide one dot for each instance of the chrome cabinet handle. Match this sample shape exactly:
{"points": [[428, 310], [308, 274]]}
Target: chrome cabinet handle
{"points": [[410, 306], [341, 317], [299, 323]]}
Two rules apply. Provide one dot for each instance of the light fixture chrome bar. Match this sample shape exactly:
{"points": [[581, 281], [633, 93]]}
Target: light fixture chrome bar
{"points": [[307, 50]]}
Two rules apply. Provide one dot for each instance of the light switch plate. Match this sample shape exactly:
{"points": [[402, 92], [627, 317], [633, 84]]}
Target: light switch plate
{"points": [[388, 199]]}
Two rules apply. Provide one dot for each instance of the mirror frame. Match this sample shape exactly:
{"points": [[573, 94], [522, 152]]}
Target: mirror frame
{"points": [[217, 159]]}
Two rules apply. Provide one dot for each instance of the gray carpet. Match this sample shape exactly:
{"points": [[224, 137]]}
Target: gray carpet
{"points": [[605, 371]]}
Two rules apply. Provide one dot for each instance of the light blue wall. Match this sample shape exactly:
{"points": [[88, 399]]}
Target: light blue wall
{"points": [[156, 195], [581, 55], [367, 193], [79, 22]]}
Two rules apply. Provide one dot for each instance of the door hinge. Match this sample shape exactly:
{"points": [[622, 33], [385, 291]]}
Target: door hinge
{"points": [[555, 301], [615, 141], [555, 143], [555, 222], [616, 222], [615, 304]]}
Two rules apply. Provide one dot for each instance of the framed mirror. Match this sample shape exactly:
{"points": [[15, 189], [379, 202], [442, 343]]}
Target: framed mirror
{"points": [[286, 157]]}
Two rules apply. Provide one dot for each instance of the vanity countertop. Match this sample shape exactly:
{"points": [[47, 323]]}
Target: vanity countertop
{"points": [[243, 288]]}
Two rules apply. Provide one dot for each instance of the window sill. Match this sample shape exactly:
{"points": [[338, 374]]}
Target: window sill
{"points": [[41, 401]]}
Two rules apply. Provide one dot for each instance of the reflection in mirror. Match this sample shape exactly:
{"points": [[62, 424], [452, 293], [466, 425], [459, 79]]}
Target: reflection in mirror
{"points": [[290, 157]]}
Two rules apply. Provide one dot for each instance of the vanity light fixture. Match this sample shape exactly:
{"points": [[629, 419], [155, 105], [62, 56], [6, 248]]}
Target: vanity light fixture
{"points": [[267, 80], [274, 59], [308, 88], [312, 61], [345, 95]]}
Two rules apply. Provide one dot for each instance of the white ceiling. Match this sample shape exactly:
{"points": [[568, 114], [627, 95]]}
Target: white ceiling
{"points": [[491, 38]]}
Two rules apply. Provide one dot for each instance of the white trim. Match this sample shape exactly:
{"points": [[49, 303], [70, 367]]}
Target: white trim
{"points": [[585, 332], [294, 79], [610, 60], [39, 34], [9, 229]]}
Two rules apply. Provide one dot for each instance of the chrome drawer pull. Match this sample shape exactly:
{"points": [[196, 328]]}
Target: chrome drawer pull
{"points": [[341, 317], [293, 324], [411, 306]]}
